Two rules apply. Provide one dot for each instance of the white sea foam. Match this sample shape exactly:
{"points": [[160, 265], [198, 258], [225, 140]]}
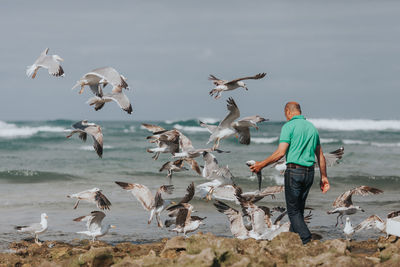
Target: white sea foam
{"points": [[132, 129], [356, 124], [10, 130], [328, 140], [190, 128], [209, 120], [354, 142], [264, 140], [203, 119], [385, 144], [90, 148]]}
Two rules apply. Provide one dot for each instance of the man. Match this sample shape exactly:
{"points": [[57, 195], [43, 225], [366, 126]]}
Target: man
{"points": [[299, 141]]}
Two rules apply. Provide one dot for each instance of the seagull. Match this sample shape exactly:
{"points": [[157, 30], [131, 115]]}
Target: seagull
{"points": [[167, 140], [36, 228], [93, 196], [94, 226], [50, 62], [185, 223], [221, 177], [348, 229], [155, 204], [116, 95], [344, 204], [259, 175], [173, 166], [373, 221], [228, 126], [235, 217], [173, 210], [223, 85], [104, 76], [84, 128], [331, 159]]}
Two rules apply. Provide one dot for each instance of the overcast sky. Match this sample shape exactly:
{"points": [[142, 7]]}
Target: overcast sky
{"points": [[339, 59]]}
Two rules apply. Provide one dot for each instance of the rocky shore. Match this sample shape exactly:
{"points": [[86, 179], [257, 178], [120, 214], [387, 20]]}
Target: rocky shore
{"points": [[207, 250]]}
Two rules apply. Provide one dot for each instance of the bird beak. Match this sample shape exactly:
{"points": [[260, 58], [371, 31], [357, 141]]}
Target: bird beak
{"points": [[47, 217], [61, 59], [173, 202], [113, 226], [246, 89]]}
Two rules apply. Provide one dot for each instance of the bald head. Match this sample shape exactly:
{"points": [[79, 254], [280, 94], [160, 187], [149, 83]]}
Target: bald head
{"points": [[292, 109]]}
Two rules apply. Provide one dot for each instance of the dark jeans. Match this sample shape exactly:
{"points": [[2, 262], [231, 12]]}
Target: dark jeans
{"points": [[297, 185]]}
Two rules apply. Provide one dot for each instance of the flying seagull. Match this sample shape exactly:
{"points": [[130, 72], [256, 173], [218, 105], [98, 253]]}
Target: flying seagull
{"points": [[36, 229], [185, 223], [155, 204], [117, 96], [167, 141], [50, 62], [173, 166], [343, 205], [94, 196], [94, 225], [223, 85], [235, 217], [101, 76], [173, 210], [84, 128], [228, 126]]}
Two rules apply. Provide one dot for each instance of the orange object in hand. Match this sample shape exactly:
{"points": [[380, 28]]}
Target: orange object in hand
{"points": [[325, 186]]}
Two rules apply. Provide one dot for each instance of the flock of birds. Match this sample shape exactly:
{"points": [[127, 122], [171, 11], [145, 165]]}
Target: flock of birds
{"points": [[252, 221]]}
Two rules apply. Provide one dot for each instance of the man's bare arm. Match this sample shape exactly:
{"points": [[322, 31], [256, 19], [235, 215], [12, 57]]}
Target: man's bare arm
{"points": [[324, 183], [277, 155]]}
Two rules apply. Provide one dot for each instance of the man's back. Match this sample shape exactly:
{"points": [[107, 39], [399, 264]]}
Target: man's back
{"points": [[303, 138]]}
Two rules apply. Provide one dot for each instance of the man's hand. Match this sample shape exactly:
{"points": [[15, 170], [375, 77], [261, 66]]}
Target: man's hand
{"points": [[257, 167], [324, 184]]}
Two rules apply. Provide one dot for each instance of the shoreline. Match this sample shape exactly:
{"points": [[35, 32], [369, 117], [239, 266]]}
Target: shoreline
{"points": [[207, 250]]}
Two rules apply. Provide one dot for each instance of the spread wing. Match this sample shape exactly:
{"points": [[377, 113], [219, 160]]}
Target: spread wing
{"points": [[344, 200], [153, 128], [244, 134], [111, 76], [393, 214], [141, 193], [96, 133], [234, 113], [368, 223], [255, 77], [184, 142], [193, 164], [235, 218], [102, 201], [163, 189], [210, 128], [189, 194], [182, 217]]}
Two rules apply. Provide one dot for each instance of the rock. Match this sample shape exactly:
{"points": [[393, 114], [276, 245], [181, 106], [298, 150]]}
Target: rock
{"points": [[205, 258], [336, 246], [97, 257], [173, 247]]}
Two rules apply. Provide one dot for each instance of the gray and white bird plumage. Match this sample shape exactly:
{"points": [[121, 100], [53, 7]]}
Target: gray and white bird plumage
{"points": [[49, 62], [155, 204], [94, 196], [36, 228], [94, 226], [224, 85], [84, 128]]}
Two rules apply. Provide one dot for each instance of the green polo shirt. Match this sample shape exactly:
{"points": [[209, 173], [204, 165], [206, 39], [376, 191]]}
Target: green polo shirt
{"points": [[303, 138]]}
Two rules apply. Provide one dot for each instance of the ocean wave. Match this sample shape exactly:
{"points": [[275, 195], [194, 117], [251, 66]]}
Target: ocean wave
{"points": [[328, 140], [90, 148], [132, 129], [385, 144], [264, 140], [31, 176], [10, 130], [190, 128], [356, 124], [354, 142], [195, 121]]}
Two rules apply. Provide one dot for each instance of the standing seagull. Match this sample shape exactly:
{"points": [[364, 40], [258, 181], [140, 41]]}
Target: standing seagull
{"points": [[36, 228], [344, 204], [223, 85], [94, 196], [104, 76], [93, 223], [228, 127], [50, 62], [84, 128], [155, 204]]}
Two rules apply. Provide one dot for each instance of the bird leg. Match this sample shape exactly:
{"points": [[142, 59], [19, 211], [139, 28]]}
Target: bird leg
{"points": [[34, 74], [341, 219], [337, 220], [81, 91], [76, 204], [209, 194], [37, 240], [216, 144], [159, 222]]}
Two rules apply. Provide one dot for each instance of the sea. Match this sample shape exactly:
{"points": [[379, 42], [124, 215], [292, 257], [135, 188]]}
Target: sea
{"points": [[39, 167]]}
